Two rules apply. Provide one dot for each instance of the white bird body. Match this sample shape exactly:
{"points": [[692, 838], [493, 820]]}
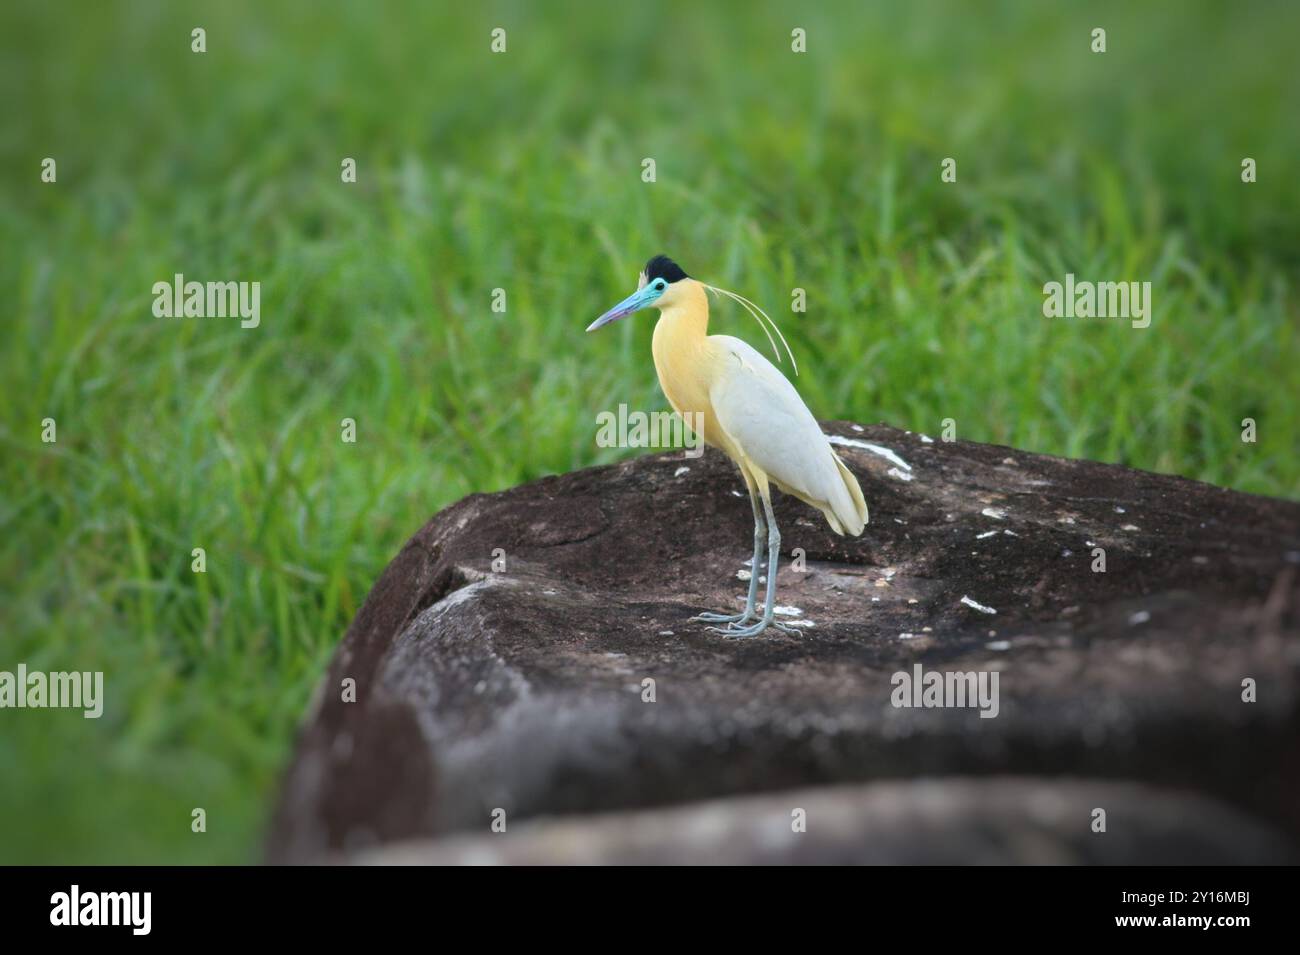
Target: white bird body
{"points": [[750, 411]]}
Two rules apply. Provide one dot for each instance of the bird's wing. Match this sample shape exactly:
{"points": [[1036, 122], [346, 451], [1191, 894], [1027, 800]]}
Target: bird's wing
{"points": [[765, 416]]}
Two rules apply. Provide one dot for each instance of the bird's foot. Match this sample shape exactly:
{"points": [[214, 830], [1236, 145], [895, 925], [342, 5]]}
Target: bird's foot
{"points": [[722, 617], [736, 632]]}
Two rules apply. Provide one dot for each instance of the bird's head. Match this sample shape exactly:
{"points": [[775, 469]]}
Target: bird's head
{"points": [[660, 284]]}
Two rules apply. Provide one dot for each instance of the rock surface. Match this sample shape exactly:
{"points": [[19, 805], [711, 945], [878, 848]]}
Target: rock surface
{"points": [[953, 821], [520, 692]]}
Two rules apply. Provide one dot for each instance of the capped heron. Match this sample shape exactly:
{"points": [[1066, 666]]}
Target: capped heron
{"points": [[751, 413]]}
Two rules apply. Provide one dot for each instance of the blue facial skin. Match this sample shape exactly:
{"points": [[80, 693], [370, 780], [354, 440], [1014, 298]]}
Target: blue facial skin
{"points": [[641, 298]]}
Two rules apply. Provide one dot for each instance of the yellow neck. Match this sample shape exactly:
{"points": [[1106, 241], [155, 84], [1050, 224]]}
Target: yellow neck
{"points": [[682, 352], [683, 323]]}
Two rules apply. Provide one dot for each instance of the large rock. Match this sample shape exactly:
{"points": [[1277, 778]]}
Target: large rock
{"points": [[523, 690]]}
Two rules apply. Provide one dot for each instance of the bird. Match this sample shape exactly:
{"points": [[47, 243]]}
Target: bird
{"points": [[748, 410]]}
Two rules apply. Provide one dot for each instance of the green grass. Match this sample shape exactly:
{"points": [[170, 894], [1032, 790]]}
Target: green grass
{"points": [[522, 171]]}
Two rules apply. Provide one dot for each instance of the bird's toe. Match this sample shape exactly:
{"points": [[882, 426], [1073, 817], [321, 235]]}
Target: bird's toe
{"points": [[728, 618]]}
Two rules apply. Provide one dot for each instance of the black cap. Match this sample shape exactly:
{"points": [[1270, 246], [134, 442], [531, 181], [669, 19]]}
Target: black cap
{"points": [[662, 267]]}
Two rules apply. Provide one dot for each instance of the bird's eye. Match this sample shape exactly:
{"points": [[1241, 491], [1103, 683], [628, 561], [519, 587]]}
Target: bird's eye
{"points": [[661, 285]]}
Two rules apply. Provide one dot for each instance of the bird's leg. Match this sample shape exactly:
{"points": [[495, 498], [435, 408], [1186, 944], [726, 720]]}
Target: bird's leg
{"points": [[769, 601], [760, 532]]}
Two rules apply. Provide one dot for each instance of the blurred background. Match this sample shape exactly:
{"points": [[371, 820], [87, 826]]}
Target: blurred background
{"points": [[522, 171]]}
